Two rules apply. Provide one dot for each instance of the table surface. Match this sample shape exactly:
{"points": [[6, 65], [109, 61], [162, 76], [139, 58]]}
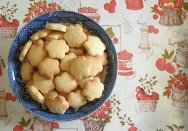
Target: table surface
{"points": [[151, 40]]}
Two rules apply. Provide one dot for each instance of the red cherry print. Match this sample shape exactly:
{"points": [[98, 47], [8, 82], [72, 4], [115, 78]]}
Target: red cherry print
{"points": [[155, 16], [113, 3], [163, 1], [160, 63], [2, 17], [157, 11], [55, 125], [156, 31], [178, 4], [139, 96], [13, 98], [155, 95], [132, 128], [106, 6], [144, 96], [111, 9], [170, 7], [18, 128], [147, 97], [161, 13], [171, 67], [115, 40], [155, 8], [139, 89], [39, 3], [151, 29], [9, 96]]}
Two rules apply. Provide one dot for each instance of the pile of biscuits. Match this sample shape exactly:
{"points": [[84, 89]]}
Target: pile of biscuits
{"points": [[64, 66]]}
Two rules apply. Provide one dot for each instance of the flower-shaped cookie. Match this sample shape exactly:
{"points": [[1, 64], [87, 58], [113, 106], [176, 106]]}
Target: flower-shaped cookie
{"points": [[42, 83], [36, 54], [49, 67], [80, 67], [93, 89], [82, 83], [75, 36], [96, 65], [76, 99], [94, 46], [57, 105], [65, 83], [65, 62], [56, 48]]}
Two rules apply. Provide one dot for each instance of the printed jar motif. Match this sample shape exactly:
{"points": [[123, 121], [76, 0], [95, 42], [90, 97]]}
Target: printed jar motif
{"points": [[125, 64], [134, 4]]}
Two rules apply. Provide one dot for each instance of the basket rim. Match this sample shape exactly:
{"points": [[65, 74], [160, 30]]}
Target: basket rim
{"points": [[146, 101]]}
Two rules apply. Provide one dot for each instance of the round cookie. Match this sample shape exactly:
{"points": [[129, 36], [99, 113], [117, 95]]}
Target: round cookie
{"points": [[40, 34], [56, 26], [26, 71], [25, 50], [36, 94]]}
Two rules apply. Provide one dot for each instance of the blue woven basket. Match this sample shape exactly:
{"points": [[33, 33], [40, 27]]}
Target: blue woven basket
{"points": [[19, 88]]}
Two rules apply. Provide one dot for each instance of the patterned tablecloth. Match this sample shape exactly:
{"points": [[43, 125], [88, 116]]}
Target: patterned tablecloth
{"points": [[151, 39]]}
